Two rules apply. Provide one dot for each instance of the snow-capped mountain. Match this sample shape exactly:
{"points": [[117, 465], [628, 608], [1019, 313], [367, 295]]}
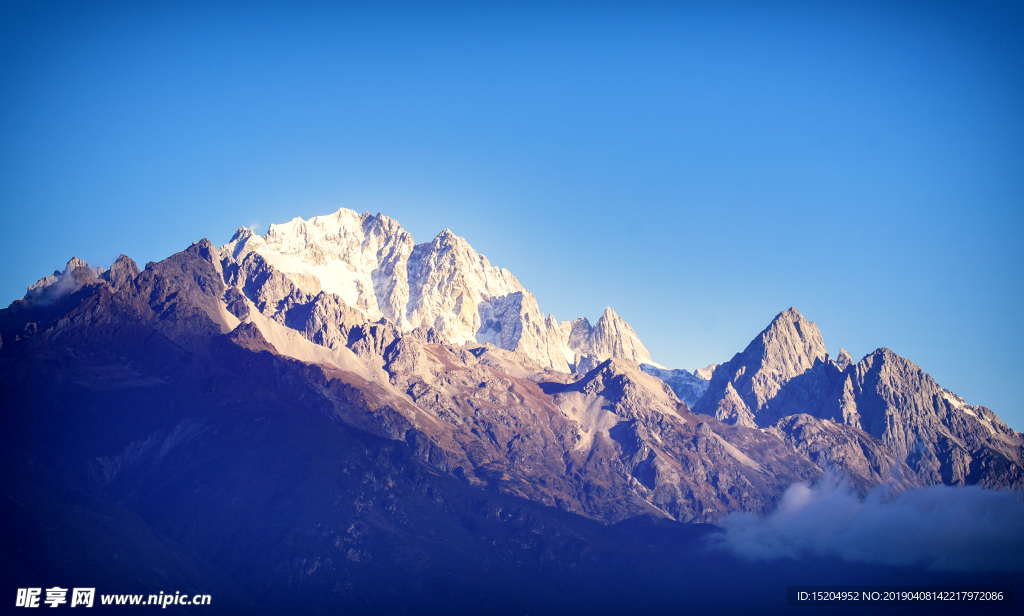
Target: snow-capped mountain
{"points": [[431, 344], [308, 408], [443, 289], [688, 386]]}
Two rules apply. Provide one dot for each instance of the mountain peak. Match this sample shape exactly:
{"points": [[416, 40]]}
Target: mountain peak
{"points": [[611, 337], [790, 346], [373, 265], [242, 233], [940, 436], [121, 271], [844, 359], [887, 357], [791, 341], [447, 240], [789, 315], [74, 264]]}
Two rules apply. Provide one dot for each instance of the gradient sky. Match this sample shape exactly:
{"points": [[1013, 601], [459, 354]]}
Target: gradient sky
{"points": [[697, 168]]}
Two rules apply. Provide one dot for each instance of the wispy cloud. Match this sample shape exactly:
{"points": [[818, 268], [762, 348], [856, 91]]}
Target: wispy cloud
{"points": [[941, 527]]}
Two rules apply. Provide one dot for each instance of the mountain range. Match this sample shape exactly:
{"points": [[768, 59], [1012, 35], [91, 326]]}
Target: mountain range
{"points": [[307, 408]]}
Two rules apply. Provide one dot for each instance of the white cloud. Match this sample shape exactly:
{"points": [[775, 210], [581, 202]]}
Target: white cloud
{"points": [[941, 527]]}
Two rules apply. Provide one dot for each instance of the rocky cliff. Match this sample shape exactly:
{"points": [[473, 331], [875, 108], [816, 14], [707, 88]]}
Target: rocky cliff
{"points": [[785, 379]]}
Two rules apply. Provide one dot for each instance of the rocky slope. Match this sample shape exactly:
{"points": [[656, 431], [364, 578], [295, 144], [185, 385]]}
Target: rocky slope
{"points": [[785, 379], [944, 439], [846, 450]]}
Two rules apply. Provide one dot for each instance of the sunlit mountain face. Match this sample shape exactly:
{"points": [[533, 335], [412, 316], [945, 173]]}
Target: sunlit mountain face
{"points": [[332, 418]]}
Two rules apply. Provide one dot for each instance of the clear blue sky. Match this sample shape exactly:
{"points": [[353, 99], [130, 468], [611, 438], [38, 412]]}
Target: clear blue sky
{"points": [[697, 168]]}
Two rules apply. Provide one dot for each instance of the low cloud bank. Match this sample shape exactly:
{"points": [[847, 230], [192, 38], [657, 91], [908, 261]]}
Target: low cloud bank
{"points": [[958, 529]]}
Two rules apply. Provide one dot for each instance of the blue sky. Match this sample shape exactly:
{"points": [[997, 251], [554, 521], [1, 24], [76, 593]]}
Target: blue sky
{"points": [[698, 168]]}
